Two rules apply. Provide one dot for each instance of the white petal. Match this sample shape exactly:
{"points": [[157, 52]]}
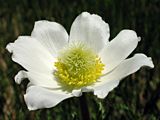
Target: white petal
{"points": [[51, 34], [127, 67], [39, 79], [30, 54], [90, 29], [21, 75], [77, 93], [87, 89], [118, 49], [44, 80], [38, 97]]}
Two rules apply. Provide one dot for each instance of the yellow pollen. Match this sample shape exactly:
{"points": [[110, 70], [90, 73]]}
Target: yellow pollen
{"points": [[78, 66]]}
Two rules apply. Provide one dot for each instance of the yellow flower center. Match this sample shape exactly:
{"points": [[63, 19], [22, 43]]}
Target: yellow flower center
{"points": [[78, 66]]}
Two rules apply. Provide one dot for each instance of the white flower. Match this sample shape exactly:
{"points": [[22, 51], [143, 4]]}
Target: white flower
{"points": [[59, 66]]}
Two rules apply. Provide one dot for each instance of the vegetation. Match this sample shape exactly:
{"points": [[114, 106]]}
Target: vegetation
{"points": [[136, 98]]}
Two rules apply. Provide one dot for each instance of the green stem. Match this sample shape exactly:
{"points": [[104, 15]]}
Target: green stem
{"points": [[84, 108]]}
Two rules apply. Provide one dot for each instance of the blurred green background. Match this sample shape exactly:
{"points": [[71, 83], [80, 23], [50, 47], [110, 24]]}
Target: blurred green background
{"points": [[136, 98]]}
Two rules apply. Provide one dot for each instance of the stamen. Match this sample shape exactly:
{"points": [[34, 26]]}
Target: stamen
{"points": [[78, 66]]}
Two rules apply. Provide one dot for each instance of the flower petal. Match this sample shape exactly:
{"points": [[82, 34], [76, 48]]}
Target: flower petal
{"points": [[38, 97], [51, 34], [21, 75], [90, 29], [118, 49], [127, 67], [30, 54], [38, 79], [77, 93]]}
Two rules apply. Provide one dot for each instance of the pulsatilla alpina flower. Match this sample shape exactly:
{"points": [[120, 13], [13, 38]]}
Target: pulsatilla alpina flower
{"points": [[60, 66]]}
